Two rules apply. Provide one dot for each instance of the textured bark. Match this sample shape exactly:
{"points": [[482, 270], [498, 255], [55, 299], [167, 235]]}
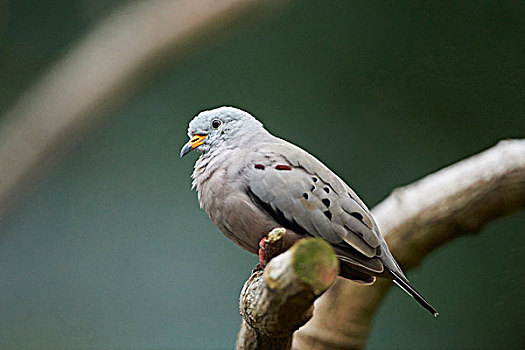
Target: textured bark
{"points": [[273, 244], [275, 302], [118, 57], [416, 220]]}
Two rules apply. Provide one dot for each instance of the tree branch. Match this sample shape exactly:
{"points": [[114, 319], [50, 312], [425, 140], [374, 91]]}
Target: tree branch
{"points": [[276, 302], [416, 220]]}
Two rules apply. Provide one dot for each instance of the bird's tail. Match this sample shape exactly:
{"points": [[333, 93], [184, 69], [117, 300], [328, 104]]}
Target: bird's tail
{"points": [[403, 283]]}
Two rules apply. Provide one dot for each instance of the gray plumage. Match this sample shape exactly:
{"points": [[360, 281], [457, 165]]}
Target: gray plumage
{"points": [[250, 182]]}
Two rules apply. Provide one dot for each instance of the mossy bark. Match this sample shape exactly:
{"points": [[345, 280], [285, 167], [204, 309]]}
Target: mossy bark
{"points": [[275, 302]]}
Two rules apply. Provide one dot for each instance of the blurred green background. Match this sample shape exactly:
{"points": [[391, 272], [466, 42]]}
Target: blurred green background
{"points": [[112, 252]]}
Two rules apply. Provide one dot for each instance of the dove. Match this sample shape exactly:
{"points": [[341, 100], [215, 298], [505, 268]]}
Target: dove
{"points": [[250, 182]]}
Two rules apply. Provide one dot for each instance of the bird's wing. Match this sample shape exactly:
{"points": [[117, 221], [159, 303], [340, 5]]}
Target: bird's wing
{"points": [[304, 195]]}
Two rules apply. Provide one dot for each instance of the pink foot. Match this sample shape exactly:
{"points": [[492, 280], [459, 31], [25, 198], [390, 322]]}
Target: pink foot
{"points": [[261, 265]]}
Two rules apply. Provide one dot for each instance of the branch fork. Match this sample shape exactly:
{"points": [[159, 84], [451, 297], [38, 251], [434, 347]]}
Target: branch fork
{"points": [[415, 220]]}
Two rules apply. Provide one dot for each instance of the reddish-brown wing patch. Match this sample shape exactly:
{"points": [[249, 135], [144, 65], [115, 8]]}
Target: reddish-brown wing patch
{"points": [[283, 167]]}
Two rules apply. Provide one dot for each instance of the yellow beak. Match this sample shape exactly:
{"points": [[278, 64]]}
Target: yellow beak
{"points": [[195, 142]]}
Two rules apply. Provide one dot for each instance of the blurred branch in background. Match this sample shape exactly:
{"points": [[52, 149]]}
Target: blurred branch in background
{"points": [[100, 74], [416, 220]]}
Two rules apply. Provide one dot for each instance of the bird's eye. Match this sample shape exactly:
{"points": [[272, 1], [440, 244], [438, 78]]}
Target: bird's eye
{"points": [[215, 123]]}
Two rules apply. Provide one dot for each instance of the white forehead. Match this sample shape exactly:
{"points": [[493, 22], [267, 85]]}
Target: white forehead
{"points": [[202, 122]]}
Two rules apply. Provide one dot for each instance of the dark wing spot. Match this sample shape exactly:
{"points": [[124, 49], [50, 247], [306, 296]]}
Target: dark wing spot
{"points": [[312, 189], [305, 195], [357, 216], [259, 166], [326, 202], [328, 214], [326, 189], [283, 167], [314, 178]]}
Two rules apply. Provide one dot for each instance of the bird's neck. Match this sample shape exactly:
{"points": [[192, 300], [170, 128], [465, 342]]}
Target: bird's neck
{"points": [[225, 156], [209, 163]]}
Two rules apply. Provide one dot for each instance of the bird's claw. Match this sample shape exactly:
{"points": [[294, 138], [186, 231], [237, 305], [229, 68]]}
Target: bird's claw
{"points": [[257, 268]]}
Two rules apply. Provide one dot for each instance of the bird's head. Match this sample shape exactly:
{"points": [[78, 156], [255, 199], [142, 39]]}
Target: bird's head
{"points": [[218, 127]]}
